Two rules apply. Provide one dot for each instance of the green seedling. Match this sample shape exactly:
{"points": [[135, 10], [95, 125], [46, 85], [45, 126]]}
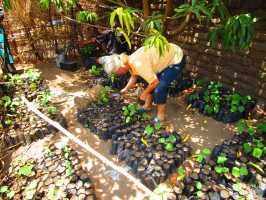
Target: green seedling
{"points": [[193, 96], [131, 113], [87, 50], [244, 126], [6, 101], [237, 187], [198, 185], [181, 173], [168, 142], [47, 152], [32, 75], [5, 190], [199, 193], [169, 147], [113, 77], [149, 130], [247, 148], [30, 190], [55, 193], [203, 155], [257, 148], [262, 127], [221, 159], [51, 110], [103, 96], [157, 126], [95, 71], [257, 153], [9, 104], [68, 163], [69, 168], [66, 151], [44, 98], [221, 169], [33, 87], [25, 170], [237, 172], [13, 80], [8, 122], [212, 98]]}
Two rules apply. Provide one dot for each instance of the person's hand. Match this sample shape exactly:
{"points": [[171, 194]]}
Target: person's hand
{"points": [[143, 96]]}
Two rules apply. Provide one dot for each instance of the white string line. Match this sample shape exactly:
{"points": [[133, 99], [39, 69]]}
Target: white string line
{"points": [[87, 147]]}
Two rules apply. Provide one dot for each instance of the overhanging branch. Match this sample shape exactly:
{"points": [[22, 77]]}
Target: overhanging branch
{"points": [[181, 27]]}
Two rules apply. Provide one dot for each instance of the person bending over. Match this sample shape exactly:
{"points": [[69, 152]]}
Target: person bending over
{"points": [[157, 70]]}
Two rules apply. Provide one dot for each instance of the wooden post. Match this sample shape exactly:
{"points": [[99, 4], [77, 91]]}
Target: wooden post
{"points": [[146, 8]]}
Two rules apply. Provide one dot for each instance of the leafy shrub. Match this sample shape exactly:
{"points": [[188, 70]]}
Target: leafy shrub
{"points": [[236, 32], [125, 18], [157, 40]]}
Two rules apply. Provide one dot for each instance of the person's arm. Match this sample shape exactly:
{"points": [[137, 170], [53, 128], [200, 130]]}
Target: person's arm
{"points": [[149, 89], [131, 83]]}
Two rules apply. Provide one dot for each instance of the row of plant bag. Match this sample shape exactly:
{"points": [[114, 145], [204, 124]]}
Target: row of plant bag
{"points": [[221, 103]]}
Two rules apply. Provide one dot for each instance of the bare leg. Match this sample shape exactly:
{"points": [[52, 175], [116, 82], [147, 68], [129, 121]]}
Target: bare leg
{"points": [[161, 109], [148, 102]]}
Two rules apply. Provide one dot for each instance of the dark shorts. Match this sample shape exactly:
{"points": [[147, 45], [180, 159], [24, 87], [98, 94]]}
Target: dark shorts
{"points": [[171, 73]]}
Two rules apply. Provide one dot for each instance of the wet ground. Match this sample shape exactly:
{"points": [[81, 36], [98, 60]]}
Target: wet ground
{"points": [[68, 87]]}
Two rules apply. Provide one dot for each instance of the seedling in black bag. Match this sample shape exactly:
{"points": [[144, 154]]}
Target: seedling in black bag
{"points": [[203, 155], [95, 71], [168, 142], [220, 168]]}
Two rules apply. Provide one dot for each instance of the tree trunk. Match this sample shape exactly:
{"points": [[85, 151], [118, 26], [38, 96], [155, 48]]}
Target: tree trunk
{"points": [[168, 12], [146, 8], [169, 9]]}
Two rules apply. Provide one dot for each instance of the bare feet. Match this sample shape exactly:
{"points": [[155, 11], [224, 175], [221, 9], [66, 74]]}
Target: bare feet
{"points": [[161, 109]]}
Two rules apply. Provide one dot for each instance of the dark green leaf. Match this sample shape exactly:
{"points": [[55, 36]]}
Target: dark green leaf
{"points": [[247, 148], [262, 127]]}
